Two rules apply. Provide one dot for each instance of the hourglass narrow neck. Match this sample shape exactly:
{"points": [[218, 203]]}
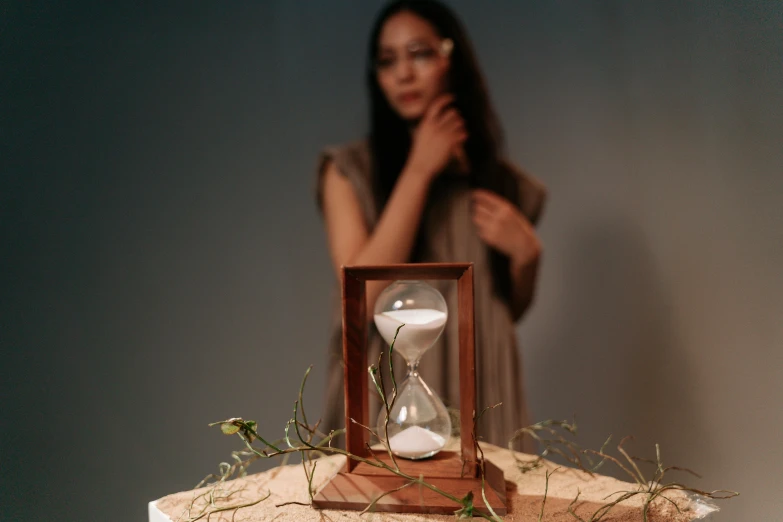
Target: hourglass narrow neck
{"points": [[413, 368]]}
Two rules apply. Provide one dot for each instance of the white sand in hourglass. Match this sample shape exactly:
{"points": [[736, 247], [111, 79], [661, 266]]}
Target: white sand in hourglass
{"points": [[416, 441], [421, 330]]}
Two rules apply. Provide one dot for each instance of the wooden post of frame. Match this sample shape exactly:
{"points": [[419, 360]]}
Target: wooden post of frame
{"points": [[359, 483]]}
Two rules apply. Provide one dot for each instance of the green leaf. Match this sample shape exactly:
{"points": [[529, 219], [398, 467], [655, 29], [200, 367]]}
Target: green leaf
{"points": [[467, 507]]}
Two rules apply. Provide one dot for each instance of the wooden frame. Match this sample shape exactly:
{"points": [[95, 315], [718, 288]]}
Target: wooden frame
{"points": [[359, 484]]}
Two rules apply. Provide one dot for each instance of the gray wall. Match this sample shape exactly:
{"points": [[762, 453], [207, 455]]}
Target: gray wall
{"points": [[164, 265]]}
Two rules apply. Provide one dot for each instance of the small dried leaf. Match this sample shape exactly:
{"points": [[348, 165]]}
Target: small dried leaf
{"points": [[229, 429]]}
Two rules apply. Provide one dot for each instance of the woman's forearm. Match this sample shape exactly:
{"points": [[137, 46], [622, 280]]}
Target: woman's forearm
{"points": [[392, 240]]}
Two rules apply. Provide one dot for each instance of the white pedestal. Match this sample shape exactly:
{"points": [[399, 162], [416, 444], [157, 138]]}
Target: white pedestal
{"points": [[156, 515]]}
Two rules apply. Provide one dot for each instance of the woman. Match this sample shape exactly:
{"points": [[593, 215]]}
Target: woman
{"points": [[429, 184]]}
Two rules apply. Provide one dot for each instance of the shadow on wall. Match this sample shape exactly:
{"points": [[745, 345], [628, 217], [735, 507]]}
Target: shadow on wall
{"points": [[617, 361]]}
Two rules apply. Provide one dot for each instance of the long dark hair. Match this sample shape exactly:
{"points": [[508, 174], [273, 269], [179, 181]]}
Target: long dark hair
{"points": [[389, 137]]}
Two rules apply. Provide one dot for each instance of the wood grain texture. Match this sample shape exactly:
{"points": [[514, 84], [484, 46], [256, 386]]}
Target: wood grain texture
{"points": [[355, 361], [467, 365], [444, 464], [408, 271]]}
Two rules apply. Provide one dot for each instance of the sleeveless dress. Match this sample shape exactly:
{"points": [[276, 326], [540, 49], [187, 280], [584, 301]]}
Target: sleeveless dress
{"points": [[448, 235]]}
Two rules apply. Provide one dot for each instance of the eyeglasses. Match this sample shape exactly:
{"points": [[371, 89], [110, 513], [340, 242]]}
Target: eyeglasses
{"points": [[420, 55]]}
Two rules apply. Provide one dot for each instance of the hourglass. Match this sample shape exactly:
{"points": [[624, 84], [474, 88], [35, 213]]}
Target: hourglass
{"points": [[419, 425], [411, 315]]}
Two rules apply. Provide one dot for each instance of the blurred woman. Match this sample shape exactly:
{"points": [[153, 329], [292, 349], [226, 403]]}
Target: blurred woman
{"points": [[430, 183]]}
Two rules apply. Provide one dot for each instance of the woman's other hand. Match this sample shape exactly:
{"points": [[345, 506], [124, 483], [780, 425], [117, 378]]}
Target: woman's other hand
{"points": [[502, 226]]}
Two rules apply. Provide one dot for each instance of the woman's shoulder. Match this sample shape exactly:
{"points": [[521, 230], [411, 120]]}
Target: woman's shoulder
{"points": [[532, 191], [350, 158], [353, 162]]}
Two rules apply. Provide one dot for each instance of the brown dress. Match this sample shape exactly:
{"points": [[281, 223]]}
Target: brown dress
{"points": [[448, 236]]}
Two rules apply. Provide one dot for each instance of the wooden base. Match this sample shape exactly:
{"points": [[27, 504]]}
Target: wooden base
{"points": [[444, 464], [357, 489]]}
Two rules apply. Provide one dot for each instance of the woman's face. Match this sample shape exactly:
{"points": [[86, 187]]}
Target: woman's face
{"points": [[412, 64]]}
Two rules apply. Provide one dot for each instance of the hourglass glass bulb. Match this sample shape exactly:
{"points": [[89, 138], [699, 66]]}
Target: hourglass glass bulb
{"points": [[419, 424], [417, 305], [422, 328]]}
